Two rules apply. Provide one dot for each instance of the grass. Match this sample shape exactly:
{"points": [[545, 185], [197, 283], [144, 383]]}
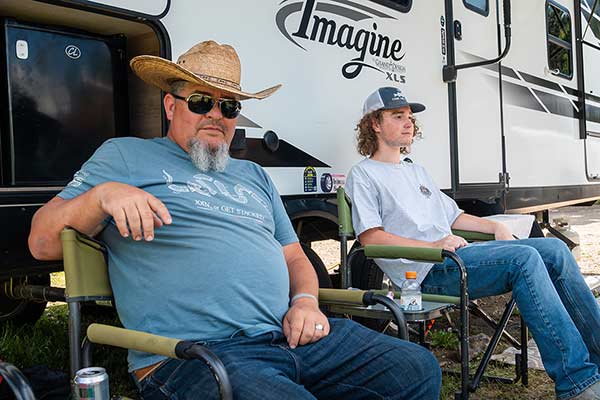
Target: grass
{"points": [[46, 343], [443, 339]]}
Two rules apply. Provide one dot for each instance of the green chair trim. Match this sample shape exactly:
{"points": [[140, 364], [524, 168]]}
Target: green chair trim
{"points": [[472, 236], [134, 340], [86, 273], [344, 214], [341, 296], [413, 253]]}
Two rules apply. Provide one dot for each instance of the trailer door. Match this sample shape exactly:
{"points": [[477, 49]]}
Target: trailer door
{"points": [[591, 65], [479, 134]]}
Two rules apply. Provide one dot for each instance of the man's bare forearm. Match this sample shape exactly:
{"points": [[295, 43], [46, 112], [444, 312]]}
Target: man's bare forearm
{"points": [[469, 222], [381, 237], [303, 278], [82, 213]]}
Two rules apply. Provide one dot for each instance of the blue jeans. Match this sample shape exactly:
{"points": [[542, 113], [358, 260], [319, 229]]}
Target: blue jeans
{"points": [[353, 362], [552, 296]]}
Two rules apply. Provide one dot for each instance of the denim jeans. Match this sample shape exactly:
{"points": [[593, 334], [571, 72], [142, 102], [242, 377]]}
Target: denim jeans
{"points": [[552, 296], [352, 362]]}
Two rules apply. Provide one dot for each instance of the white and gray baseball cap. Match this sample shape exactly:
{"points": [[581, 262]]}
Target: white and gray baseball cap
{"points": [[388, 98]]}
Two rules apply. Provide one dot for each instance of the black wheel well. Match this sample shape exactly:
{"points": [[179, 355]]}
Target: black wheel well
{"points": [[313, 219]]}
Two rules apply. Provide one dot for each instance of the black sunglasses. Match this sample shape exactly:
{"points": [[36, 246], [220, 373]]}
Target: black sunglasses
{"points": [[200, 103]]}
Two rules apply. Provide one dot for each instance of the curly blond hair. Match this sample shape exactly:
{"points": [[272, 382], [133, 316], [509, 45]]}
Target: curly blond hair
{"points": [[366, 139]]}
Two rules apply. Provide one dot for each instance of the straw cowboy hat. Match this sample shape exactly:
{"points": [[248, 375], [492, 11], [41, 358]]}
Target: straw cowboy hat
{"points": [[207, 63]]}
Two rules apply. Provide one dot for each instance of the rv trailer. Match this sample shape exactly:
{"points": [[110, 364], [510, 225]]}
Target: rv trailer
{"points": [[512, 92]]}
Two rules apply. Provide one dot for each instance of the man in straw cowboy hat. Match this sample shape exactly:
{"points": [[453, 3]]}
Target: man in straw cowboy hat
{"points": [[200, 248]]}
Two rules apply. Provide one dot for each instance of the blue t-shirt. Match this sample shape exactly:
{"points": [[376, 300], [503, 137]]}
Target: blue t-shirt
{"points": [[218, 270]]}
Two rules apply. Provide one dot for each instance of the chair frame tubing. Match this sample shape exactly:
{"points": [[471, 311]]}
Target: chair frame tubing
{"points": [[464, 326], [74, 337]]}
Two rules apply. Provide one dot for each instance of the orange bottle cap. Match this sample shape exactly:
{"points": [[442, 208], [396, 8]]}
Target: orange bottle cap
{"points": [[411, 275]]}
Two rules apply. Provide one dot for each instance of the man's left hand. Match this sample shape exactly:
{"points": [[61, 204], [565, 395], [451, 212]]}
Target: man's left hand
{"points": [[301, 322]]}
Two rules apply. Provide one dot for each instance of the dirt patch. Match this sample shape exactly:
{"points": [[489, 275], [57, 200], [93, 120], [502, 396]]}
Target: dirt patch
{"points": [[586, 222]]}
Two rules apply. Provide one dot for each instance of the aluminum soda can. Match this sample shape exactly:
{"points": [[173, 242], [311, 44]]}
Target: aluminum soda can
{"points": [[91, 384]]}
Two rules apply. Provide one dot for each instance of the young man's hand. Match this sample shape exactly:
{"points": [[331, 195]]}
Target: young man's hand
{"points": [[301, 322], [135, 211], [450, 243], [502, 233]]}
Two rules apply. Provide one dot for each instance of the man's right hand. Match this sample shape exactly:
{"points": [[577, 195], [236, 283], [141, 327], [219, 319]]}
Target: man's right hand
{"points": [[135, 212], [450, 243]]}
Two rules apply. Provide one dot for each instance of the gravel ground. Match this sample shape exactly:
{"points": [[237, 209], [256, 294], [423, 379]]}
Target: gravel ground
{"points": [[586, 222]]}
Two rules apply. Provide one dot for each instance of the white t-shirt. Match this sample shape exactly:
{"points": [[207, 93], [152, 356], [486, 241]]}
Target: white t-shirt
{"points": [[403, 199]]}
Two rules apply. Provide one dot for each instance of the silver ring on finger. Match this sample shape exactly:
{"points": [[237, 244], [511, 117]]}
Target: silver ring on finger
{"points": [[319, 327]]}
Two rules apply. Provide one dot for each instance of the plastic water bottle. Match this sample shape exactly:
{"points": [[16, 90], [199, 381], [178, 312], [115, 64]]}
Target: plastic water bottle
{"points": [[410, 293]]}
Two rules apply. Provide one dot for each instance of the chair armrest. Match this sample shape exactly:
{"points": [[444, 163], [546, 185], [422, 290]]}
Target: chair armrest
{"points": [[164, 346], [438, 298], [134, 340], [414, 253], [365, 298], [472, 236], [84, 261], [351, 297]]}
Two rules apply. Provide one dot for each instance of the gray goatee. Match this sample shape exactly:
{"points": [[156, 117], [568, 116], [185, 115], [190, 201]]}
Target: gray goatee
{"points": [[207, 158]]}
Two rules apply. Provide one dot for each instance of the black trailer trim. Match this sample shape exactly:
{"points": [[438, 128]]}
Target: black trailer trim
{"points": [[590, 96], [286, 155], [558, 105], [479, 191], [522, 198], [106, 9], [580, 78], [595, 46], [521, 96], [504, 177], [571, 91], [539, 81], [507, 71], [452, 104]]}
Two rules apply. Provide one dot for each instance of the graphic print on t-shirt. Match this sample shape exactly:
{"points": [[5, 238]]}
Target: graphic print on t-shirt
{"points": [[424, 191], [213, 191]]}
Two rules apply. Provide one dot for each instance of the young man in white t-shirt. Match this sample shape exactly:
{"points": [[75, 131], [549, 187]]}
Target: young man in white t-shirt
{"points": [[397, 203]]}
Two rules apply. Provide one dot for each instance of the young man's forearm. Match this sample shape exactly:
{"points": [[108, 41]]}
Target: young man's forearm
{"points": [[380, 237]]}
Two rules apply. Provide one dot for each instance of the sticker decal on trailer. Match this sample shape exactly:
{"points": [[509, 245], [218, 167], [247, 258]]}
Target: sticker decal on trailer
{"points": [[310, 179]]}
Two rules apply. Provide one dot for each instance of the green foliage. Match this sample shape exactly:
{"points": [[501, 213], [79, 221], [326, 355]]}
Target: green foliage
{"points": [[45, 343], [444, 339]]}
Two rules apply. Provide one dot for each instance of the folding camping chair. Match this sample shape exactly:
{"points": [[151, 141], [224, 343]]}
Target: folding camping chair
{"points": [[86, 279], [435, 305]]}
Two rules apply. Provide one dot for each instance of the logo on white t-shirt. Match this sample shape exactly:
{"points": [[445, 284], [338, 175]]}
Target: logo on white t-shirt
{"points": [[424, 191]]}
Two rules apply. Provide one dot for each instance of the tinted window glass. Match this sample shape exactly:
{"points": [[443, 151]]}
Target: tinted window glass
{"points": [[559, 23], [560, 52], [559, 58], [592, 17], [479, 6]]}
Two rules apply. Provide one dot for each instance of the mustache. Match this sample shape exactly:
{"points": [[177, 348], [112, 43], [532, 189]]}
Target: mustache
{"points": [[212, 123]]}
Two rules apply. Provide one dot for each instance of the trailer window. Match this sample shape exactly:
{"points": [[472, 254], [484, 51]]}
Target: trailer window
{"points": [[400, 5], [479, 6], [592, 17], [560, 52]]}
